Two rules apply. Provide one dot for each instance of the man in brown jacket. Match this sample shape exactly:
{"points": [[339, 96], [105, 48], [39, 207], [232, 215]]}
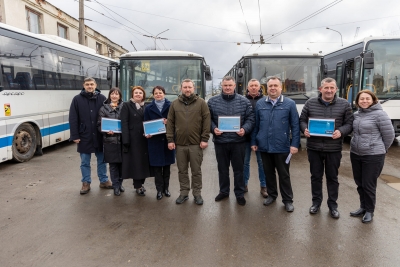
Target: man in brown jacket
{"points": [[188, 131]]}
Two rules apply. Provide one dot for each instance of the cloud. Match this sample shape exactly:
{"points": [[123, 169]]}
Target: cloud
{"points": [[227, 24]]}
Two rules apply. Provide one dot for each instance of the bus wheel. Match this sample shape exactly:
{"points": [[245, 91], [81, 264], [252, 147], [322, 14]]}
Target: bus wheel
{"points": [[24, 143]]}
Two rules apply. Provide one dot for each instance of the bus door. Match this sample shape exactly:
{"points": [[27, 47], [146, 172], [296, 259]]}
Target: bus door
{"points": [[348, 80], [339, 79], [355, 88]]}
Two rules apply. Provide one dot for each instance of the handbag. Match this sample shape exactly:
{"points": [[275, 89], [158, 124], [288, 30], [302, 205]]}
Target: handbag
{"points": [[112, 153]]}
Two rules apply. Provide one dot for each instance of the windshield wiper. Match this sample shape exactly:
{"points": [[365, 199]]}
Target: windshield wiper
{"points": [[386, 100], [288, 94]]}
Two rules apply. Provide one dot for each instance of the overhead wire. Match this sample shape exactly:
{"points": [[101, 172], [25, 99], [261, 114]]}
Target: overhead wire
{"points": [[112, 19], [123, 17], [304, 19], [186, 21], [245, 20], [123, 25]]}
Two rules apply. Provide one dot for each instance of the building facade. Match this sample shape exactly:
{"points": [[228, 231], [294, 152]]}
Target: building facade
{"points": [[39, 16]]}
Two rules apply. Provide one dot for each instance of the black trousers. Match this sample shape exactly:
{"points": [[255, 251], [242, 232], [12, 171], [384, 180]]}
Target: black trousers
{"points": [[161, 179], [227, 154], [366, 170], [116, 174], [138, 183], [272, 162], [330, 161]]}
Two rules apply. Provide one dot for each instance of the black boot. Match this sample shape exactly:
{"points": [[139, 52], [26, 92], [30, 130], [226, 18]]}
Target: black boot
{"points": [[358, 213], [159, 195], [368, 217], [117, 191], [167, 193], [121, 188]]}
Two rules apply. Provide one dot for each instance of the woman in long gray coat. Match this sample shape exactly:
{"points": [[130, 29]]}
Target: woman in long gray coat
{"points": [[135, 156], [373, 134]]}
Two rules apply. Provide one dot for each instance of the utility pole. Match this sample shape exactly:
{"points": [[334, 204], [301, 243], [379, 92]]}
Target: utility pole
{"points": [[81, 23]]}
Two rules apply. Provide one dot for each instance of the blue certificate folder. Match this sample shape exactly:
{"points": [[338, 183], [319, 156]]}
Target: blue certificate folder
{"points": [[110, 125], [229, 123], [154, 127], [321, 127]]}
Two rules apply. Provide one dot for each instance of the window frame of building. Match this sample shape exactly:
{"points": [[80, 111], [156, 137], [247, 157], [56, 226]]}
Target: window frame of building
{"points": [[99, 48], [28, 20], [59, 25], [111, 53]]}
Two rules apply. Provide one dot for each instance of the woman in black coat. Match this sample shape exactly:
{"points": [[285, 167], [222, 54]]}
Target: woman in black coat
{"points": [[160, 156], [111, 109], [135, 158]]}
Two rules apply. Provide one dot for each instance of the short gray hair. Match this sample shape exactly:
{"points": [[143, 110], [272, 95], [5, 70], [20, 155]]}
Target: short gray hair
{"points": [[328, 80], [228, 78], [274, 78], [253, 80], [89, 79], [187, 81]]}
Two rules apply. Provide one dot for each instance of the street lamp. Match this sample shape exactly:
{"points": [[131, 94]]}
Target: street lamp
{"points": [[156, 37], [341, 39]]}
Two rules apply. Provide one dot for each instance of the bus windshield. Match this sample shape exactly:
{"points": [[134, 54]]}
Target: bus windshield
{"points": [[300, 76], [167, 73], [384, 79]]}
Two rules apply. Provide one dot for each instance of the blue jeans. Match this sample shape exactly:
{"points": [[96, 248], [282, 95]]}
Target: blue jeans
{"points": [[101, 167], [246, 167]]}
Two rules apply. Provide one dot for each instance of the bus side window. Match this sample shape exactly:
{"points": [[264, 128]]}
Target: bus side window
{"points": [[24, 80], [38, 81], [7, 80]]}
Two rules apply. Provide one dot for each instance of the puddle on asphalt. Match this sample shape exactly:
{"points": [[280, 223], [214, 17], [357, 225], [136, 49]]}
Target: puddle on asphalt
{"points": [[391, 181], [389, 178]]}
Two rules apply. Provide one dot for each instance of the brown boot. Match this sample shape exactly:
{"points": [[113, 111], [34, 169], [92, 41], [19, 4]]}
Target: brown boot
{"points": [[263, 192], [106, 185], [85, 188]]}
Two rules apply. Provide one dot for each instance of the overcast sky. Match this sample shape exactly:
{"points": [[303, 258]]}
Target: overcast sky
{"points": [[213, 28]]}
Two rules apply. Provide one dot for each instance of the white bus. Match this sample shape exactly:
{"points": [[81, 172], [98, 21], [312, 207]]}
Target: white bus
{"points": [[164, 68], [299, 71], [372, 63], [40, 75]]}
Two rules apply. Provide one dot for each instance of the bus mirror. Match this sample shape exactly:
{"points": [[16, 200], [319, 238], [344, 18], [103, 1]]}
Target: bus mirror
{"points": [[325, 69], [207, 73], [369, 60], [109, 77], [239, 77]]}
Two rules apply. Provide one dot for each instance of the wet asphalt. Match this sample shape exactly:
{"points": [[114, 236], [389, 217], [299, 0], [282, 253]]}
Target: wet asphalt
{"points": [[46, 222]]}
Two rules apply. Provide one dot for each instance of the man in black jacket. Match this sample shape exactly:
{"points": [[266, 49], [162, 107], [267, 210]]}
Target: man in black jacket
{"points": [[326, 152], [230, 146], [83, 128]]}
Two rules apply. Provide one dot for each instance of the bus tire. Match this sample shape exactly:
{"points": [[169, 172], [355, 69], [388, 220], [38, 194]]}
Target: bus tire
{"points": [[24, 143]]}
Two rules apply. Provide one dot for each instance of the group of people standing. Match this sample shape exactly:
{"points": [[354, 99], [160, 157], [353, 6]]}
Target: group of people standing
{"points": [[269, 125]]}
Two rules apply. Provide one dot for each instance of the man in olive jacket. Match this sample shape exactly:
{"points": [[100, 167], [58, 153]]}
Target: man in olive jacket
{"points": [[188, 131], [326, 152]]}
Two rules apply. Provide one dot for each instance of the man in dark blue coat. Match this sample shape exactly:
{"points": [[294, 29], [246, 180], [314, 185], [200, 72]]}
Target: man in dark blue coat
{"points": [[277, 136], [83, 128]]}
